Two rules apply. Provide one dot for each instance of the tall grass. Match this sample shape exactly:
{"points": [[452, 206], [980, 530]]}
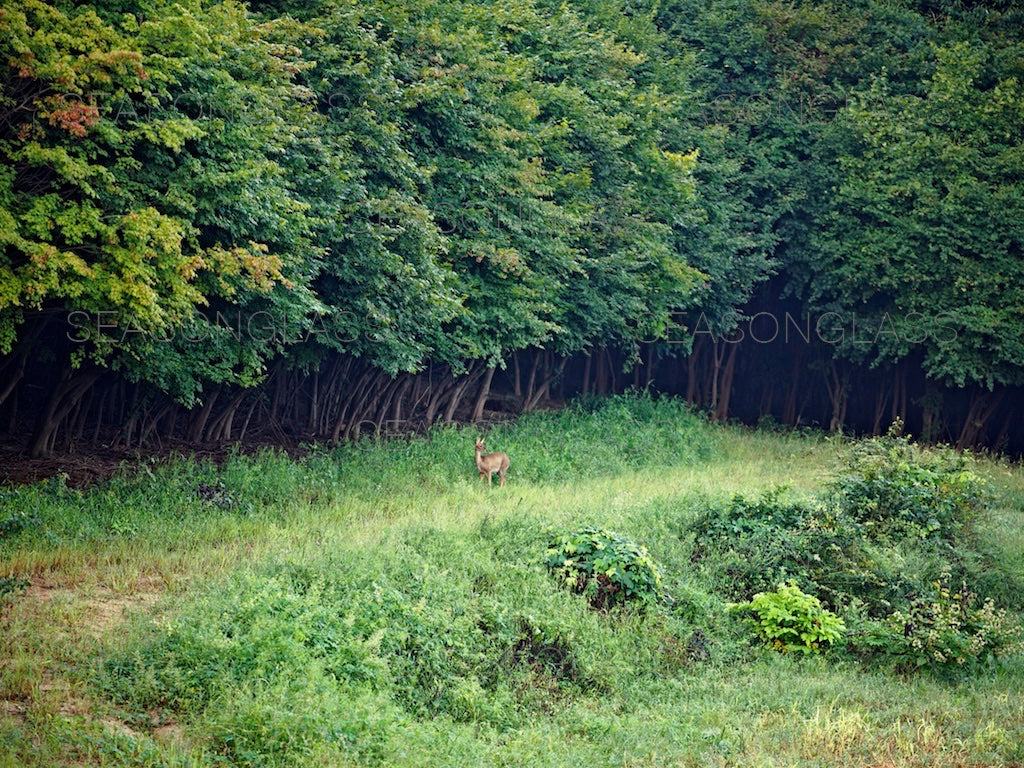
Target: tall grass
{"points": [[376, 604]]}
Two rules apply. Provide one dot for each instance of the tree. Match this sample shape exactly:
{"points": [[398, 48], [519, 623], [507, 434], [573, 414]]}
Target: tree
{"points": [[141, 183], [924, 239]]}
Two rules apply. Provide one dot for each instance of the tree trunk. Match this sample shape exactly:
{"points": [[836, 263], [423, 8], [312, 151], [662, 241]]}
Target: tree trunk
{"points": [[99, 422], [248, 416], [314, 403], [600, 377], [151, 425], [899, 395], [277, 400], [1003, 437], [481, 398], [717, 356], [15, 375], [544, 388], [649, 372], [396, 407], [64, 397], [881, 401], [789, 410], [983, 405], [198, 426], [384, 405], [931, 407], [77, 428], [459, 391], [837, 381], [19, 359], [725, 387], [220, 430], [531, 384], [517, 381], [692, 385], [436, 395]]}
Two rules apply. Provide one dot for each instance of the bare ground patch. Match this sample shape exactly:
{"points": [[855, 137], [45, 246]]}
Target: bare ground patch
{"points": [[69, 617]]}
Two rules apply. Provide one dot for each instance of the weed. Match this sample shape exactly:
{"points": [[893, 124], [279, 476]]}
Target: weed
{"points": [[790, 620], [17, 522], [10, 585], [606, 567], [941, 629], [894, 488]]}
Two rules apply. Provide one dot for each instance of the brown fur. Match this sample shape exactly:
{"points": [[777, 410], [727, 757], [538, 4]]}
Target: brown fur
{"points": [[489, 463]]}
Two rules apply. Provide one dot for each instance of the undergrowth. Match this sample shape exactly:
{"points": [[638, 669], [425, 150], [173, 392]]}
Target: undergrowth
{"points": [[895, 526], [375, 604]]}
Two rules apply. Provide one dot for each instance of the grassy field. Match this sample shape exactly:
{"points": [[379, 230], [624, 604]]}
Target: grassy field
{"points": [[377, 605]]}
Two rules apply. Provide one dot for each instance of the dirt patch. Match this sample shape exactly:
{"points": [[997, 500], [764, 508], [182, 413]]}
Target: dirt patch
{"points": [[116, 725], [78, 614], [79, 470], [109, 610], [13, 711], [104, 609], [170, 734]]}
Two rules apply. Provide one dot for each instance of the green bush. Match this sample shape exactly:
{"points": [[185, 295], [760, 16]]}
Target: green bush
{"points": [[893, 487], [16, 522], [898, 516], [746, 546], [438, 628], [790, 620], [941, 631], [12, 584], [607, 567]]}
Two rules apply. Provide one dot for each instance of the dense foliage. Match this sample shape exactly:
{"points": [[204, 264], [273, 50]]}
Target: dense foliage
{"points": [[396, 181], [607, 567], [202, 195], [790, 620], [880, 548], [894, 488]]}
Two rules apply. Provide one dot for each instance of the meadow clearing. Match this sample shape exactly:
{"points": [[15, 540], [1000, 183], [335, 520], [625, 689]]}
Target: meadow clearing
{"points": [[376, 604]]}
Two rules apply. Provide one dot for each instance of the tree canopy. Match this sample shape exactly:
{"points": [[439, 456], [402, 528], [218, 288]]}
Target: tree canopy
{"points": [[193, 194]]}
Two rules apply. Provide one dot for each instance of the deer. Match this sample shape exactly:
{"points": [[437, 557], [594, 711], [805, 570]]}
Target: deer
{"points": [[489, 463]]}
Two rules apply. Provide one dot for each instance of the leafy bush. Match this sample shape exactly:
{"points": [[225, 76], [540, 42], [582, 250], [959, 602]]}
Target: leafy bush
{"points": [[219, 496], [748, 546], [605, 566], [887, 527], [438, 628], [894, 487], [17, 522], [790, 620], [940, 631]]}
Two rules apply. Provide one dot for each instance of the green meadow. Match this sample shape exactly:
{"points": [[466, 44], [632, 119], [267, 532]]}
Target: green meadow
{"points": [[376, 604]]}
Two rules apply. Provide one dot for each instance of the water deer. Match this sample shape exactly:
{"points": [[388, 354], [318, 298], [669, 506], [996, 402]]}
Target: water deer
{"points": [[489, 463]]}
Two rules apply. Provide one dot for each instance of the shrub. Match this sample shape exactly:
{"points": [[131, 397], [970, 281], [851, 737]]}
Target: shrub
{"points": [[17, 522], [748, 546], [790, 620], [605, 566], [894, 487], [940, 631]]}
